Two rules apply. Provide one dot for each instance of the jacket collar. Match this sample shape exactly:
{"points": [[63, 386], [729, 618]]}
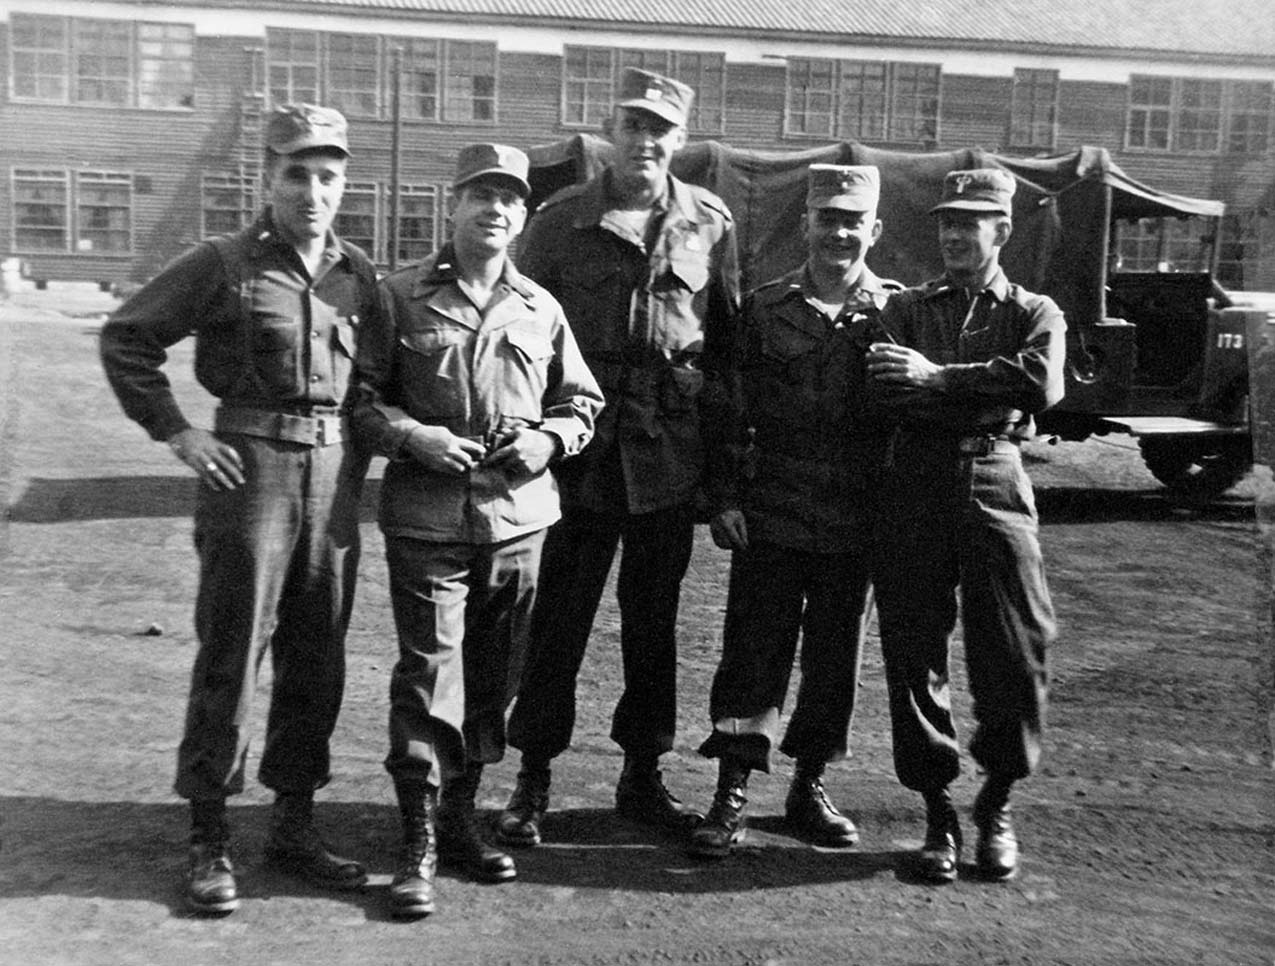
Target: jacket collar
{"points": [[998, 287], [440, 268], [598, 201]]}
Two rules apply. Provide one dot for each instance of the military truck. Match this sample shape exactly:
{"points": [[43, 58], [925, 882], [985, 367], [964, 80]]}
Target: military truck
{"points": [[1156, 352]]}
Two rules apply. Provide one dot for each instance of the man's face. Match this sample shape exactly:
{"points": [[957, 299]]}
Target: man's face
{"points": [[837, 240], [488, 215], [969, 239], [304, 191], [644, 144]]}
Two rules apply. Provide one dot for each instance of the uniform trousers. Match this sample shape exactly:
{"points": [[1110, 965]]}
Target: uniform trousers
{"points": [[463, 612], [777, 594], [278, 559], [655, 552], [947, 521]]}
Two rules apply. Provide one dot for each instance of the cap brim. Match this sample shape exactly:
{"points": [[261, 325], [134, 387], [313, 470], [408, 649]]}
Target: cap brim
{"points": [[661, 110], [495, 173], [309, 144], [983, 206]]}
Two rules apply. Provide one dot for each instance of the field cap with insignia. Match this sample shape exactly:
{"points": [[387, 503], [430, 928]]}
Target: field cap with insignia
{"points": [[301, 127], [496, 160], [850, 187], [978, 189], [660, 95]]}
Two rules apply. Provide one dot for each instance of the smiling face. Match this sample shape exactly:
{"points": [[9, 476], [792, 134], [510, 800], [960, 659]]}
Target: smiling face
{"points": [[970, 242], [644, 145], [488, 215], [304, 192], [837, 240]]}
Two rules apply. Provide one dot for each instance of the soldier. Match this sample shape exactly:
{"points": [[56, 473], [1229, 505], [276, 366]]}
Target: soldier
{"points": [[645, 267], [275, 310], [796, 521], [970, 357], [471, 385]]}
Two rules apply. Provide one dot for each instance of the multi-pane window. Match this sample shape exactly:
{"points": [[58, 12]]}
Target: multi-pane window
{"points": [[469, 83], [165, 65], [1241, 247], [417, 222], [41, 205], [1207, 116], [591, 76], [292, 71], [421, 67], [356, 220], [1249, 127], [103, 212], [1165, 245], [119, 63], [354, 74], [1033, 112], [39, 55], [868, 100], [228, 203]]}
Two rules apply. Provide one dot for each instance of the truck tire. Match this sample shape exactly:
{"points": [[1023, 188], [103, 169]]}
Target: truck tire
{"points": [[1197, 468]]}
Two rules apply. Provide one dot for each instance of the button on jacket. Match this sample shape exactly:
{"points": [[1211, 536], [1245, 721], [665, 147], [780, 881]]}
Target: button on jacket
{"points": [[296, 352], [654, 325], [437, 360], [801, 383], [1003, 357]]}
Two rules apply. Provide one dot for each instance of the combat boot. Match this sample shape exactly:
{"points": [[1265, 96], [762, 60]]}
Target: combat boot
{"points": [[412, 888], [640, 796], [811, 813], [723, 826], [940, 853], [996, 854], [209, 884], [460, 840], [519, 823], [294, 846]]}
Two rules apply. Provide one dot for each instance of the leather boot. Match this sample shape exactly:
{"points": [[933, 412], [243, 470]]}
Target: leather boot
{"points": [[519, 823], [996, 854], [723, 826], [460, 840], [937, 860], [412, 888], [811, 813], [640, 796], [294, 846], [209, 884]]}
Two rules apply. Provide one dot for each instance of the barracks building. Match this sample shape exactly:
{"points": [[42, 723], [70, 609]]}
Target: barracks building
{"points": [[130, 129]]}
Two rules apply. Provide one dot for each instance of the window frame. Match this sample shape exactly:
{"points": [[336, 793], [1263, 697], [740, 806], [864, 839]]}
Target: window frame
{"points": [[1026, 106], [899, 88], [247, 190], [50, 176], [85, 182], [1193, 124]]}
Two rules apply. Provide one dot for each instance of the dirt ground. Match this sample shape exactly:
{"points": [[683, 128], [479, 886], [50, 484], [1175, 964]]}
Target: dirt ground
{"points": [[1147, 832]]}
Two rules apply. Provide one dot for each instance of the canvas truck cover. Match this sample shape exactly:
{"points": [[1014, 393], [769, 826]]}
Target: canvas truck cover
{"points": [[1062, 209]]}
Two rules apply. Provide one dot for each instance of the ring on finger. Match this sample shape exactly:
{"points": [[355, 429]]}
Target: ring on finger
{"points": [[211, 467]]}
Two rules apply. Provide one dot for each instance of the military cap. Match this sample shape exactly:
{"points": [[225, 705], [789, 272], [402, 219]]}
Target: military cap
{"points": [[496, 160], [660, 95], [300, 127], [851, 187], [978, 189]]}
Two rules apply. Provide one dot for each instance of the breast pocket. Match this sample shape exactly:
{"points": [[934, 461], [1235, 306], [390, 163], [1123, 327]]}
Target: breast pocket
{"points": [[344, 343], [434, 380], [592, 293], [789, 356], [276, 355], [529, 354]]}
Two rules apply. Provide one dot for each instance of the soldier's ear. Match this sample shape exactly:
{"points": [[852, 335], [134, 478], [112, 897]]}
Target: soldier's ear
{"points": [[1004, 228]]}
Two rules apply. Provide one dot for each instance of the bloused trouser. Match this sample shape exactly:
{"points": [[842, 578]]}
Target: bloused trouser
{"points": [[947, 520], [463, 613], [776, 594], [655, 552], [278, 559]]}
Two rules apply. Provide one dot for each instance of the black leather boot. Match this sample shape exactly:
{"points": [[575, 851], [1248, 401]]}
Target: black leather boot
{"points": [[209, 883], [519, 823], [640, 796], [412, 888], [811, 813], [295, 847], [996, 854], [937, 860], [723, 826], [460, 840]]}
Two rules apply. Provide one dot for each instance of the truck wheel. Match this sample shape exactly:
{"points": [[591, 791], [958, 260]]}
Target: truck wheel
{"points": [[1197, 469]]}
